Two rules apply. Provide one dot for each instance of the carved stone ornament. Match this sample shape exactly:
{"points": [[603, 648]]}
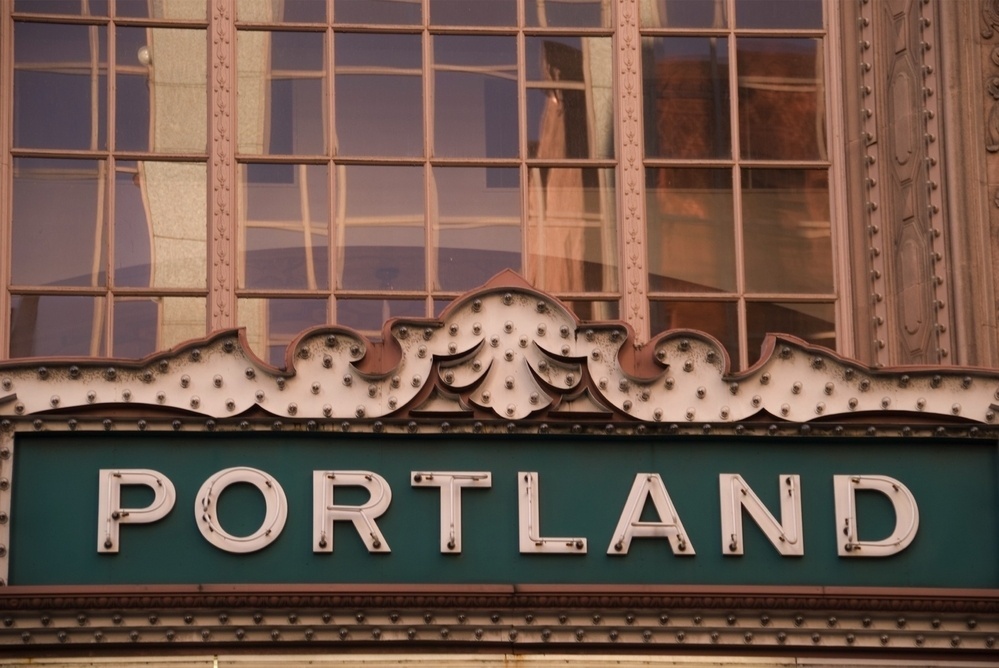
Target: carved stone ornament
{"points": [[506, 354]]}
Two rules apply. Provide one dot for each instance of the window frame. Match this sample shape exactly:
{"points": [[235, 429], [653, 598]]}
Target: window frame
{"points": [[222, 160]]}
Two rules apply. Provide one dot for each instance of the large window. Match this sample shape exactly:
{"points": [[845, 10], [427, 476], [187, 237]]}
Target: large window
{"points": [[105, 247], [386, 156], [737, 170]]}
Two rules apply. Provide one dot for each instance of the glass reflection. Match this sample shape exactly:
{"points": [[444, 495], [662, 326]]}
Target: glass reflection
{"points": [[379, 94], [691, 230], [720, 319], [478, 224], [781, 99], [778, 13], [177, 71], [132, 79], [567, 13], [473, 12], [59, 226], [159, 231], [594, 309], [686, 94], [272, 324], [136, 327], [788, 237], [285, 240], [380, 226], [67, 7], [368, 315], [571, 229], [282, 107], [569, 101], [175, 9], [683, 14], [282, 11], [813, 322], [380, 12], [132, 231], [60, 86], [144, 325], [475, 96], [175, 194], [57, 325]]}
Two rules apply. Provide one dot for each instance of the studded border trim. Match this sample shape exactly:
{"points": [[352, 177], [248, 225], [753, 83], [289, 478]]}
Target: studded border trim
{"points": [[505, 352]]}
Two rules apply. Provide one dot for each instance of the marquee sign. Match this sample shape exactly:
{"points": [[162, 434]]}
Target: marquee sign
{"points": [[502, 449], [333, 508]]}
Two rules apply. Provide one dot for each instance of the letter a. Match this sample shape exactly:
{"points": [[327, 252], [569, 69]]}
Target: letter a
{"points": [[630, 525]]}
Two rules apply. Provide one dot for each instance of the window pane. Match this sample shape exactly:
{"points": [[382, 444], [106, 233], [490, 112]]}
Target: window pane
{"points": [[568, 13], [683, 14], [719, 319], [594, 309], [473, 12], [478, 224], [177, 90], [570, 107], [368, 315], [68, 7], [691, 230], [475, 96], [136, 326], [175, 9], [175, 196], [786, 230], [687, 98], [571, 229], [382, 12], [132, 231], [282, 11], [781, 99], [382, 236], [60, 86], [285, 243], [271, 324], [132, 80], [281, 97], [144, 325], [56, 325], [59, 222], [379, 95], [813, 322], [778, 13]]}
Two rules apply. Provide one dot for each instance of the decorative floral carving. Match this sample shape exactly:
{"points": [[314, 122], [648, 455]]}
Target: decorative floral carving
{"points": [[631, 208], [221, 151], [990, 17]]}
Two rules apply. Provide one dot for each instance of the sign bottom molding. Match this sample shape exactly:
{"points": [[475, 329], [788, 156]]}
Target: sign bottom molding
{"points": [[653, 619]]}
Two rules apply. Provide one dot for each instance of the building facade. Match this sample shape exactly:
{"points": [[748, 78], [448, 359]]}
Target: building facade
{"points": [[693, 240]]}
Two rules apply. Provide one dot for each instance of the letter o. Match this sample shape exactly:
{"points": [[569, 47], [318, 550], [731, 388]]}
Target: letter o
{"points": [[274, 518]]}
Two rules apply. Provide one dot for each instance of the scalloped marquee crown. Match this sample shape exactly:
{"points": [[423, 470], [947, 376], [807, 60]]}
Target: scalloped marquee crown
{"points": [[503, 352]]}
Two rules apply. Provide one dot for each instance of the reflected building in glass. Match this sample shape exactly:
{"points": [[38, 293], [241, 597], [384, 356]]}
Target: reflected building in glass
{"points": [[178, 167]]}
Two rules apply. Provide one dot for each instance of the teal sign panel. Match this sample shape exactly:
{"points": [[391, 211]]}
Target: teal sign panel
{"points": [[583, 486]]}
